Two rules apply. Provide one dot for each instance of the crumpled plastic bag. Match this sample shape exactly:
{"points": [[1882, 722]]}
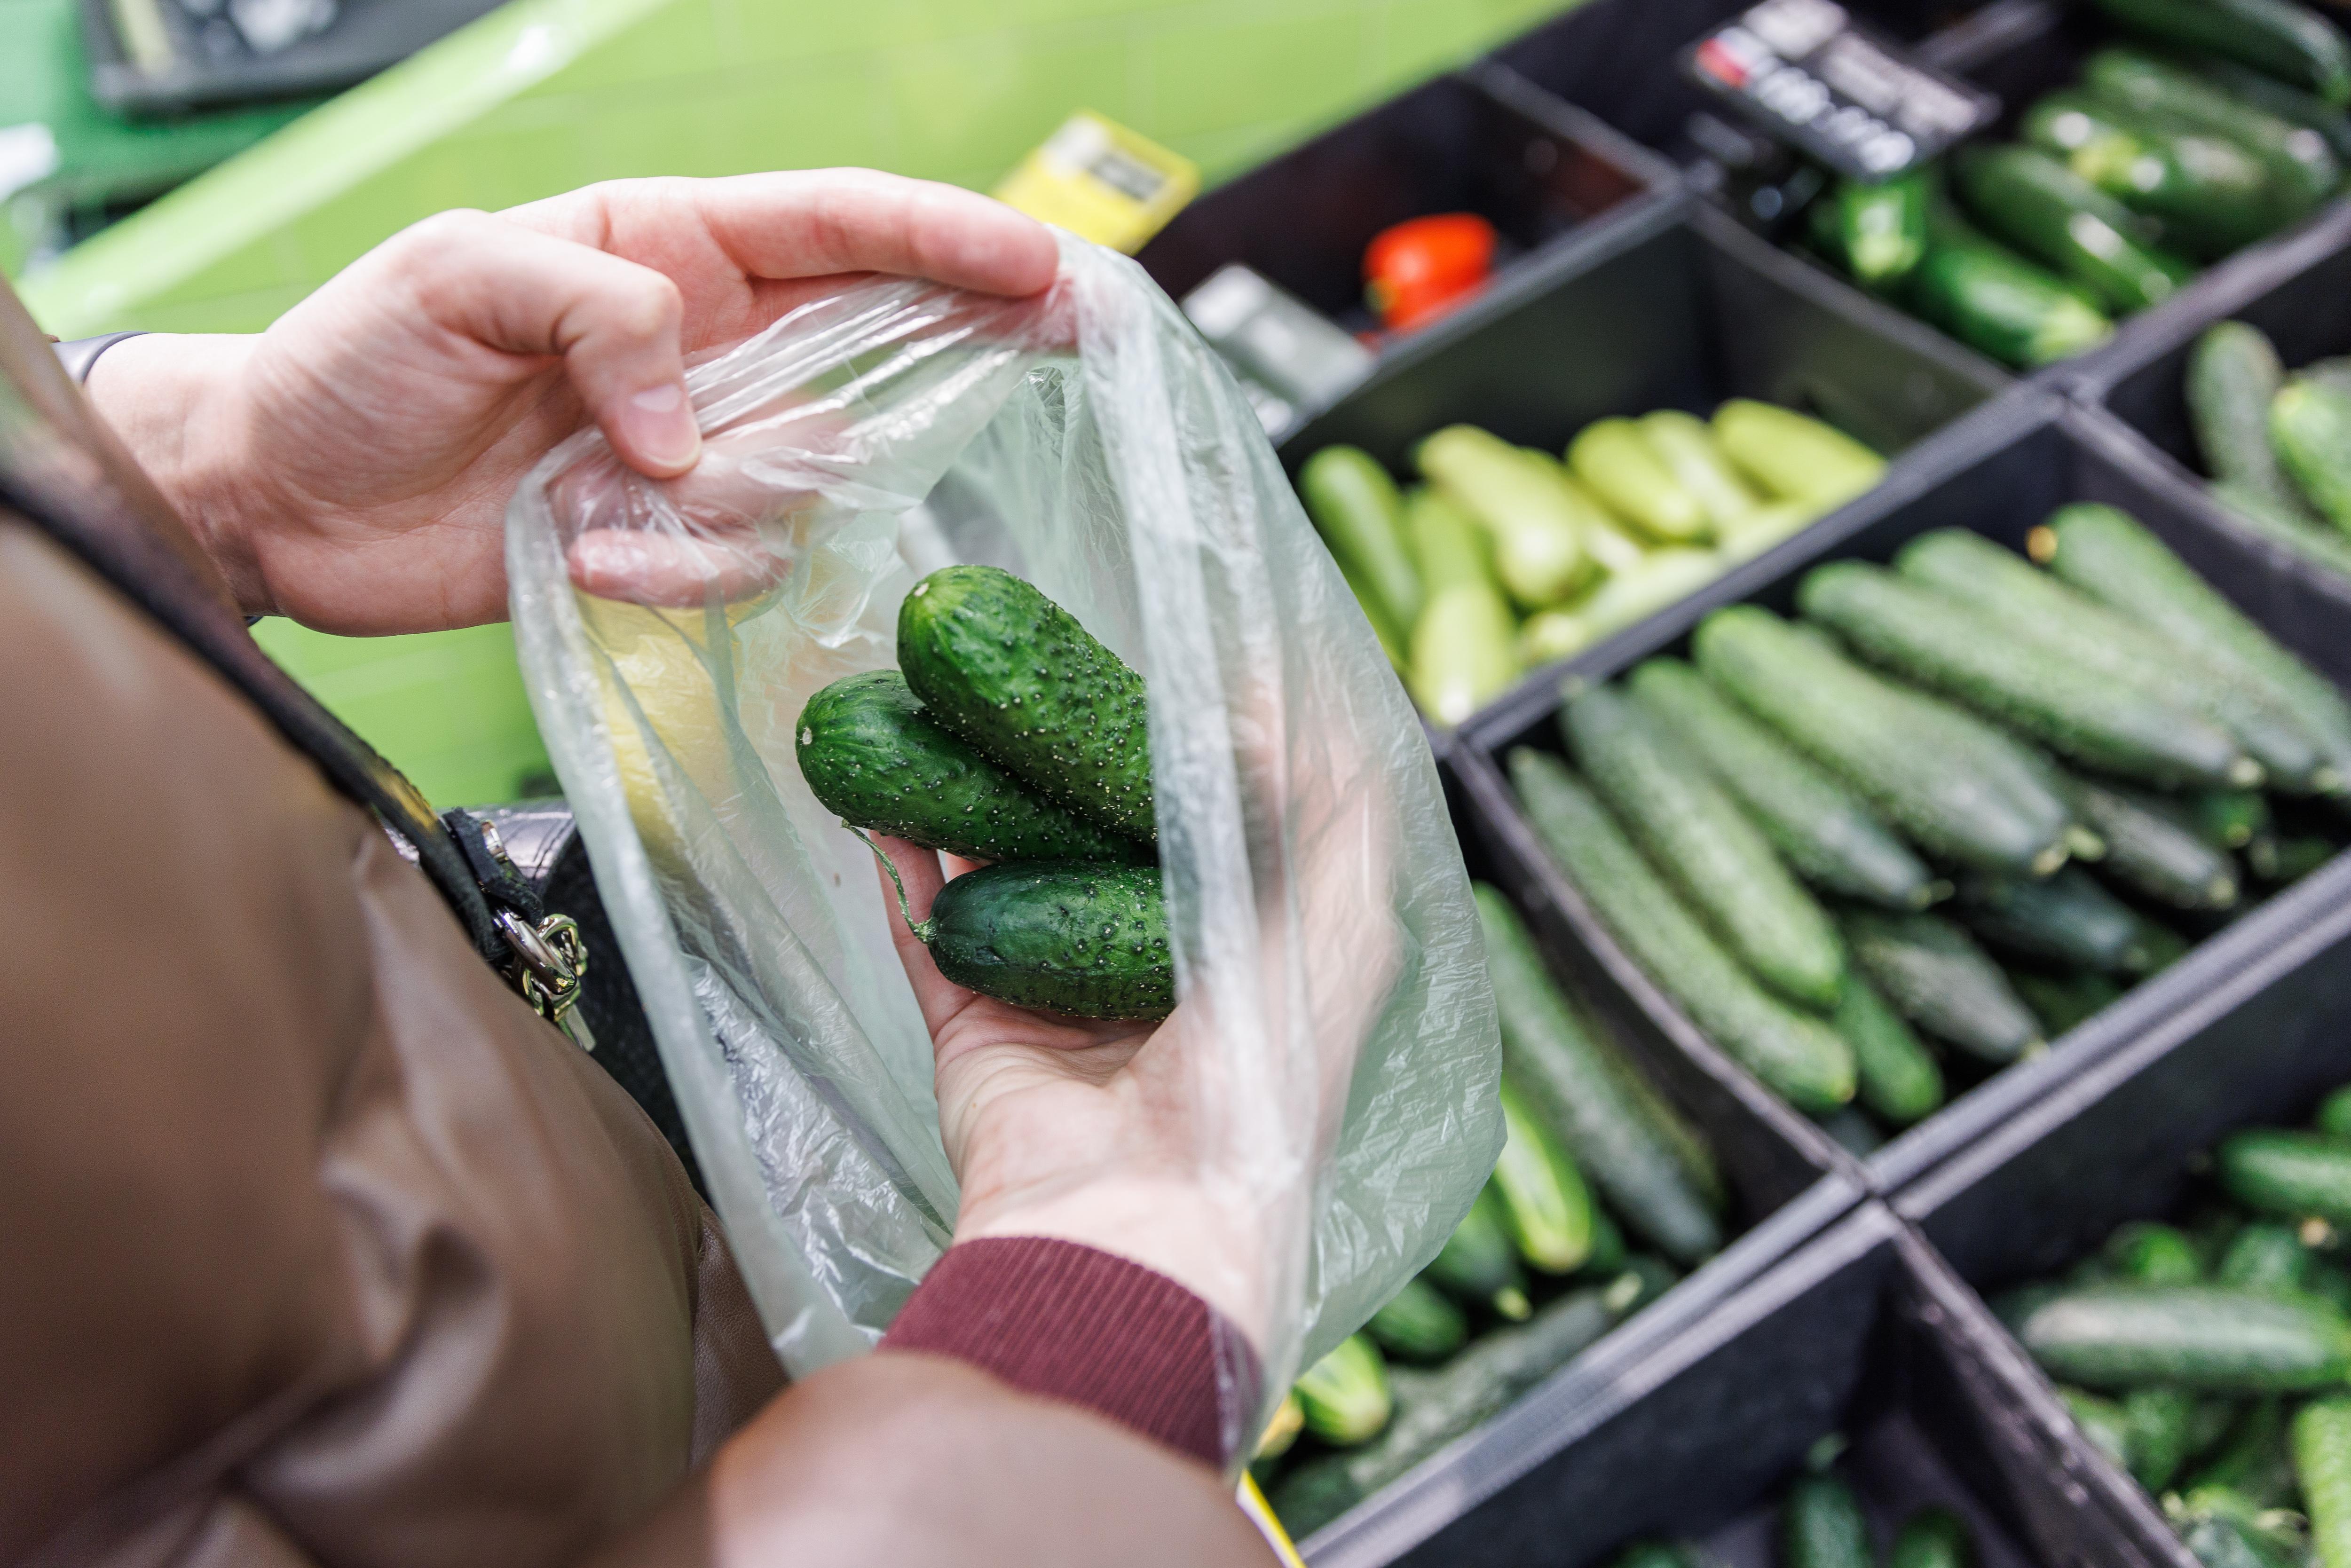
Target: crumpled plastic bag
{"points": [[1342, 1050]]}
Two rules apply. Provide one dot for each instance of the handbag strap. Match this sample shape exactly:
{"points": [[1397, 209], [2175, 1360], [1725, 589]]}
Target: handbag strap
{"points": [[541, 956]]}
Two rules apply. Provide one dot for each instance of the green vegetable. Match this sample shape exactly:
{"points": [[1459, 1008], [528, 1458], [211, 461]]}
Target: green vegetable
{"points": [[1685, 444], [1716, 859], [2067, 919], [2061, 1002], [1069, 936], [1606, 1259], [2102, 1421], [2194, 1337], [2054, 216], [1478, 1263], [1614, 545], [1418, 1323], [2224, 1532], [2153, 1254], [2292, 527], [1994, 300], [1015, 674], [1875, 737], [1934, 975], [1933, 1538], [2233, 374], [2266, 93], [1536, 527], [2253, 1459], [2322, 1463], [1635, 1148], [874, 758], [1900, 1079], [2334, 1116], [1820, 828], [1282, 1429], [1652, 1555], [2153, 848], [1821, 1526], [1544, 1201], [1663, 577], [2291, 1173], [1463, 652], [2155, 1421], [1344, 1397], [2303, 168], [1794, 457], [1799, 1057], [2264, 1257], [1447, 546], [2210, 195], [2228, 819], [2287, 41], [1359, 515], [1616, 459], [1940, 642], [2310, 428], [2279, 860], [1877, 234]]}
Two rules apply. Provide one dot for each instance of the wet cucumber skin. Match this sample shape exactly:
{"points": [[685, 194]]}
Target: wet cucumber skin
{"points": [[1086, 939]]}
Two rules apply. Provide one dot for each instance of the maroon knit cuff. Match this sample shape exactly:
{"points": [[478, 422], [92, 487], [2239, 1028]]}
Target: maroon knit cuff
{"points": [[1065, 1322]]}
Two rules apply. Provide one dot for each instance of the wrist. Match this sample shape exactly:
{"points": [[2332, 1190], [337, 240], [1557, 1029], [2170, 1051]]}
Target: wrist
{"points": [[176, 403]]}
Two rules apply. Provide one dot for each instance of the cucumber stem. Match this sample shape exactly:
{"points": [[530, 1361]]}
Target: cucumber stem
{"points": [[921, 928]]}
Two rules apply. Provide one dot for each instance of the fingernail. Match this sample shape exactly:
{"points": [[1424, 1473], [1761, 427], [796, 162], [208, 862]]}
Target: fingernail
{"points": [[660, 424]]}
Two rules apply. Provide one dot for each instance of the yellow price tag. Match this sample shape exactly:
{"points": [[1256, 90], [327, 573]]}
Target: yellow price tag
{"points": [[1260, 1513], [1102, 181]]}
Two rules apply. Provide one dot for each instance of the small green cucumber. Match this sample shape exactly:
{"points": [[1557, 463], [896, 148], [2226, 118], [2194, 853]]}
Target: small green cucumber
{"points": [[1478, 1263], [1821, 1526], [2310, 429], [2290, 42], [2101, 1422], [2228, 1533], [2252, 1458], [1068, 936], [2153, 848], [1014, 674], [2292, 528], [2264, 1256], [1899, 1078], [1935, 974], [1544, 1201], [1537, 533], [2334, 1115], [1652, 1555], [2153, 1254], [1819, 826], [2193, 1336], [2329, 1281], [2266, 93], [2322, 1463], [1418, 1323], [2053, 215], [1686, 445], [2228, 819], [874, 758], [2061, 1002], [2233, 373], [1722, 865], [2304, 171], [2210, 195], [1282, 1429], [1616, 461], [1794, 457], [1359, 512], [2067, 920], [1875, 233], [1798, 1057], [1994, 300], [2289, 1174], [2280, 858], [1606, 1259], [2157, 1421], [1934, 1537], [1344, 1397]]}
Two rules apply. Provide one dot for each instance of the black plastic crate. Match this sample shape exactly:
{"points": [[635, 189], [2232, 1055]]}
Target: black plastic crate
{"points": [[1534, 168], [1999, 476], [1862, 1331]]}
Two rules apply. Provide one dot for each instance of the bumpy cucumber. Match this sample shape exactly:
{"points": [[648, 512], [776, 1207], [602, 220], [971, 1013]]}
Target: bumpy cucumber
{"points": [[1800, 1058], [1537, 534], [2233, 373], [2291, 1173], [2322, 1463], [2153, 1254], [1575, 1080], [1819, 826], [2067, 919], [2303, 168], [1686, 447], [1992, 299], [1014, 674], [2032, 607], [2264, 1257], [1694, 832], [1418, 1323], [2155, 1421], [2112, 557], [2252, 1459], [1940, 643], [2193, 1336], [1544, 1201], [1877, 234], [2210, 196], [1868, 734], [2153, 848], [1616, 460], [1360, 514], [2062, 1002], [2310, 428], [2288, 41], [1821, 1526], [2041, 207], [877, 760], [1477, 1264], [1899, 1078], [1068, 936], [1934, 975]]}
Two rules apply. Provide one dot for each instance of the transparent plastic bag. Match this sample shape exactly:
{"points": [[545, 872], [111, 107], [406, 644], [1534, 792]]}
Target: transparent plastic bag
{"points": [[1341, 1053]]}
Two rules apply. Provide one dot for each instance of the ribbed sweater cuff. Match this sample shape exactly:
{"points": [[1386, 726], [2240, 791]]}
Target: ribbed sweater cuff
{"points": [[1065, 1322]]}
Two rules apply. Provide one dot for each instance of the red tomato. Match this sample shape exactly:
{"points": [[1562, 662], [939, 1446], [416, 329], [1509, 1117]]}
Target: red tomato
{"points": [[1421, 267]]}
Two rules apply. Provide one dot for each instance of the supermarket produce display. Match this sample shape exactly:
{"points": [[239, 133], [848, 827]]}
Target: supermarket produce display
{"points": [[2277, 448]]}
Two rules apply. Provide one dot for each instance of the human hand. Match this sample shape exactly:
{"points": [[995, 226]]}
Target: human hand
{"points": [[350, 466]]}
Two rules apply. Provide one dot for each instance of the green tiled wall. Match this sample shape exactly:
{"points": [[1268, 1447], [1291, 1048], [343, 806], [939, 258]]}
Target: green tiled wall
{"points": [[545, 95]]}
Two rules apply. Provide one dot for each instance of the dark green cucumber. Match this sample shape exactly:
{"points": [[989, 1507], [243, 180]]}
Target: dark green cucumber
{"points": [[1582, 1086], [2266, 93], [2210, 195], [2290, 1173], [2227, 1536], [1344, 1397], [1821, 1526], [1875, 233], [2310, 429], [1418, 1323], [2282, 859], [2233, 373], [2252, 1460], [2322, 1464], [1798, 1057], [1994, 300], [1935, 974], [2303, 168], [1477, 1264], [1359, 512], [2061, 1002], [1899, 1078], [1819, 826], [2156, 1420], [2068, 920], [2264, 1256], [1080, 937], [1544, 1201], [876, 760], [1606, 1259], [1933, 1537], [2055, 217], [1718, 859], [2228, 819], [2112, 557], [2153, 848], [2333, 1115], [2033, 607], [2293, 528], [2192, 1336], [2290, 42], [1014, 674], [2329, 1281], [1940, 642], [2153, 1254], [1868, 733], [2102, 1421]]}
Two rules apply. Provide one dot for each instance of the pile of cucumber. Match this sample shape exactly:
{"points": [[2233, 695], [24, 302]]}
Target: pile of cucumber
{"points": [[1008, 736], [1816, 835], [1507, 558], [1821, 1526], [1604, 1195], [2278, 449], [2210, 1358], [2226, 126]]}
